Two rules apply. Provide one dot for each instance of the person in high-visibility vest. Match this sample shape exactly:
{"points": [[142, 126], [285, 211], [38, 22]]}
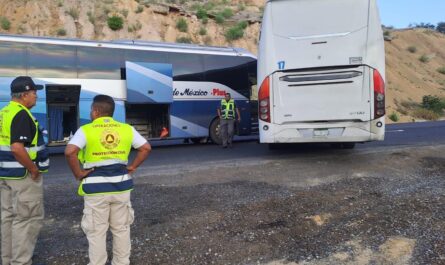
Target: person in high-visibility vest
{"points": [[226, 114], [23, 158], [103, 147]]}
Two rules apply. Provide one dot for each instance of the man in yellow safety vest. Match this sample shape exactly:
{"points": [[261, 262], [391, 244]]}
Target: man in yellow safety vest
{"points": [[226, 114], [22, 159], [103, 147]]}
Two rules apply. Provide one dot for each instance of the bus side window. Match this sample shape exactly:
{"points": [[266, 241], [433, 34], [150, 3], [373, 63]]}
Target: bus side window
{"points": [[230, 71], [100, 63], [13, 59], [48, 60], [187, 66]]}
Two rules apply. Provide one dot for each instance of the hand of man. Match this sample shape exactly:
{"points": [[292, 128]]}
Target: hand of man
{"points": [[35, 174], [84, 173], [131, 169]]}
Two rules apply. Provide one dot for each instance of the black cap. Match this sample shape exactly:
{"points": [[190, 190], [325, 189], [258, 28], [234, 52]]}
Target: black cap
{"points": [[23, 84]]}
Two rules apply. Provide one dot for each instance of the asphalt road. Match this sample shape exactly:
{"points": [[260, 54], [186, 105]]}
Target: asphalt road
{"points": [[168, 154]]}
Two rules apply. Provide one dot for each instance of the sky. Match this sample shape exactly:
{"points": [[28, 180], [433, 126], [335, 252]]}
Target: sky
{"points": [[400, 13]]}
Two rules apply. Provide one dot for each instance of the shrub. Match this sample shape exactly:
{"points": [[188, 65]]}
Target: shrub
{"points": [[426, 114], [394, 117], [139, 9], [115, 22], [433, 103], [74, 13], [424, 58], [412, 49], [202, 31], [441, 70], [243, 24], [184, 40], [61, 32], [205, 21], [234, 33], [219, 19], [441, 27], [201, 13], [5, 23], [241, 6], [227, 13], [182, 25], [91, 17]]}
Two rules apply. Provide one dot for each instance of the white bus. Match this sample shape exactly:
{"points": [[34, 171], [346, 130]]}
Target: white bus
{"points": [[169, 90], [321, 66]]}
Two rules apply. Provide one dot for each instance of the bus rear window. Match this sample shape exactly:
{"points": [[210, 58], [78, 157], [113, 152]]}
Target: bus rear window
{"points": [[305, 18]]}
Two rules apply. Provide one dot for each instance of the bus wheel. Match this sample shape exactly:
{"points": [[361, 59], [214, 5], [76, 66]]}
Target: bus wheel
{"points": [[343, 145], [347, 145], [214, 132], [202, 140]]}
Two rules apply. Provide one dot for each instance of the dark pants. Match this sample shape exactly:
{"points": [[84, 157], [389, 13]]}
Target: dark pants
{"points": [[227, 129]]}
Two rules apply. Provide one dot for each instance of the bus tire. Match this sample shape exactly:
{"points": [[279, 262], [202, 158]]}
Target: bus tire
{"points": [[199, 140], [347, 145], [274, 146], [343, 145], [214, 132]]}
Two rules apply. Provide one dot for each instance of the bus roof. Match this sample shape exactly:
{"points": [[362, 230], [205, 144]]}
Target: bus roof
{"points": [[133, 45]]}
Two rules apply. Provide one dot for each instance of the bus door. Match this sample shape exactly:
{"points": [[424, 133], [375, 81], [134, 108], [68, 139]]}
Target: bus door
{"points": [[62, 109], [149, 98]]}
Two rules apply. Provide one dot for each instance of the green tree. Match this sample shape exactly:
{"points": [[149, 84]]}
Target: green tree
{"points": [[441, 27]]}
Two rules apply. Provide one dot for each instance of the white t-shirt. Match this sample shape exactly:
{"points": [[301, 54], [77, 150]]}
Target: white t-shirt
{"points": [[80, 140]]}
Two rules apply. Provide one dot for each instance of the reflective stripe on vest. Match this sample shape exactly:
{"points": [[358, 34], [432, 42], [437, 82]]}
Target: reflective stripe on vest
{"points": [[10, 168], [228, 109], [108, 145]]}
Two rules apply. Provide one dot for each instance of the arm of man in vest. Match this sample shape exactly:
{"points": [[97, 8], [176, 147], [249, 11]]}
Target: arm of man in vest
{"points": [[218, 110], [141, 155], [22, 156], [71, 153]]}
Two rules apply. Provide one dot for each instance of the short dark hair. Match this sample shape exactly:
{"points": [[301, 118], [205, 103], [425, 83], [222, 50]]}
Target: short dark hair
{"points": [[104, 105], [228, 94]]}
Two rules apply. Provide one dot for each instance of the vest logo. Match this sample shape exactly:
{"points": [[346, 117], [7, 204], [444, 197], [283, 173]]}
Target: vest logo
{"points": [[110, 139]]}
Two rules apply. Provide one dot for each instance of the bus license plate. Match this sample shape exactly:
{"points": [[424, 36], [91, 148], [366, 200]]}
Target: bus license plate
{"points": [[321, 133]]}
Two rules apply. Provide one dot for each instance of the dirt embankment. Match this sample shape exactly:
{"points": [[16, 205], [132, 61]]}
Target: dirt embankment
{"points": [[408, 78]]}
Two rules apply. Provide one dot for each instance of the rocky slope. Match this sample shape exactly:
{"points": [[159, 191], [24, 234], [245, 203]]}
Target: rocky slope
{"points": [[408, 78]]}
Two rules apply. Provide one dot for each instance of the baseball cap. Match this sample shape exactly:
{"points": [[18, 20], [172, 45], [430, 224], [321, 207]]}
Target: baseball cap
{"points": [[23, 84]]}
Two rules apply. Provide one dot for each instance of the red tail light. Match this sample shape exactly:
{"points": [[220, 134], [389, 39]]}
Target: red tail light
{"points": [[264, 101], [379, 95]]}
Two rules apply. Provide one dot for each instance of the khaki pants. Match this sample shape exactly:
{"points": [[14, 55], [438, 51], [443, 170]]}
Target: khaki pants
{"points": [[22, 218], [227, 129], [101, 212]]}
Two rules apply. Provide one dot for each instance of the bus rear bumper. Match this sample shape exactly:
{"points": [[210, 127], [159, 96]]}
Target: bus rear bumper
{"points": [[329, 132]]}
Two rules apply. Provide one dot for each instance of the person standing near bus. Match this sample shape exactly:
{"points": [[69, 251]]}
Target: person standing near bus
{"points": [[103, 146], [226, 114], [22, 159]]}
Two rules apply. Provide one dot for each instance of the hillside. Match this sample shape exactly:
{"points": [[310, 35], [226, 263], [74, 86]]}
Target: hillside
{"points": [[408, 78]]}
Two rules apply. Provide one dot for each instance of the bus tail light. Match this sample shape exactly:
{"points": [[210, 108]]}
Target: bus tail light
{"points": [[379, 95], [264, 100]]}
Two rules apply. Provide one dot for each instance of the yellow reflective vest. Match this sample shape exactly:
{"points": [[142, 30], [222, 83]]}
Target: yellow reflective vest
{"points": [[108, 145], [10, 168], [227, 109]]}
